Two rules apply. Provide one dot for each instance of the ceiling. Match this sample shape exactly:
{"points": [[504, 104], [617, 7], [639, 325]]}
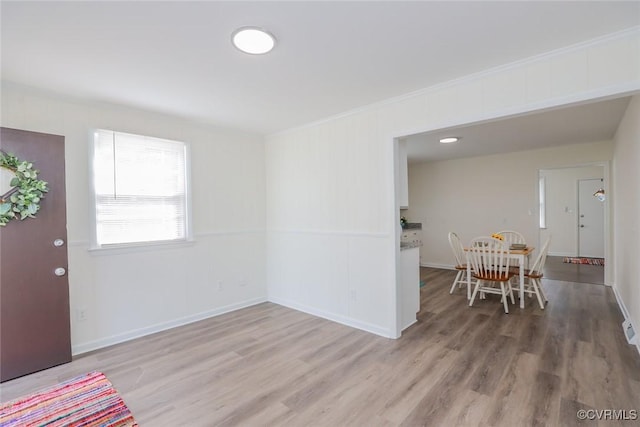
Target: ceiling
{"points": [[591, 122], [331, 57]]}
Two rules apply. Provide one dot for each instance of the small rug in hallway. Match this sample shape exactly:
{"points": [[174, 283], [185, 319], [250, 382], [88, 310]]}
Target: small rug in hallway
{"points": [[590, 261], [87, 400]]}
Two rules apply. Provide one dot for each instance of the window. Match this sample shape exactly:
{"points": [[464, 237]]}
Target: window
{"points": [[543, 202], [140, 189]]}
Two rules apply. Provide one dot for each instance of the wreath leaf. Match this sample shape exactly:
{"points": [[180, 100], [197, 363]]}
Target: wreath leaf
{"points": [[23, 200]]}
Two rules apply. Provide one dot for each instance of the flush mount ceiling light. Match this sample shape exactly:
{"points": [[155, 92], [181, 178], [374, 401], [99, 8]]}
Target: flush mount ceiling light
{"points": [[253, 40], [449, 140]]}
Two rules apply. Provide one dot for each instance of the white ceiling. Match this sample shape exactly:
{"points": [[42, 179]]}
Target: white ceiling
{"points": [[176, 57], [592, 122]]}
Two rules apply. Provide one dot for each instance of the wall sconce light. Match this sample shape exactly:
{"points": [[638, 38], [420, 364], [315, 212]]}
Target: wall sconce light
{"points": [[599, 195]]}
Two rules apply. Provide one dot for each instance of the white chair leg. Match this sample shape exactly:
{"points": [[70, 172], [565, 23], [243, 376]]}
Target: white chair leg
{"points": [[455, 282], [509, 290], [544, 296], [513, 301], [483, 295], [536, 289], [475, 291], [504, 298]]}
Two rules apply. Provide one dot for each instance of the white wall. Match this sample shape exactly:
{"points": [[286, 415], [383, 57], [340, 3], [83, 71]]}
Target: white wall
{"points": [[562, 205], [127, 293], [626, 187], [332, 216], [323, 238], [331, 213], [479, 196]]}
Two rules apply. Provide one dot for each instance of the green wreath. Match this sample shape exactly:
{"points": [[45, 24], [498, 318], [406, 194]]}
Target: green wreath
{"points": [[23, 199]]}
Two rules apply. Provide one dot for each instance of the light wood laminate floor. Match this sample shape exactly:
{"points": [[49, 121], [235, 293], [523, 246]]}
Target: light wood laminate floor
{"points": [[272, 366], [556, 269]]}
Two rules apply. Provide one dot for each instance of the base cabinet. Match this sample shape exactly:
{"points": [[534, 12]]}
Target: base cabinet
{"points": [[410, 286]]}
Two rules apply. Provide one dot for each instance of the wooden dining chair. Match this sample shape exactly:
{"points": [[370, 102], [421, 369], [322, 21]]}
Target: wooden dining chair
{"points": [[533, 277], [461, 263], [490, 266], [510, 237]]}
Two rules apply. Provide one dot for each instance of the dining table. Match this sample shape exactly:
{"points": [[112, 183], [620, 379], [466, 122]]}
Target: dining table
{"points": [[519, 255]]}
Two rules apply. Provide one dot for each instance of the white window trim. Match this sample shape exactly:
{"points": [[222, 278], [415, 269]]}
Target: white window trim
{"points": [[137, 246], [542, 203]]}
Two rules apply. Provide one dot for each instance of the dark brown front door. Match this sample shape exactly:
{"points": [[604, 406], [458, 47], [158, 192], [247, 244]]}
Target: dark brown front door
{"points": [[34, 300]]}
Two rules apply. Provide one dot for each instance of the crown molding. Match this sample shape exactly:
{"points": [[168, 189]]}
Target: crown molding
{"points": [[629, 32]]}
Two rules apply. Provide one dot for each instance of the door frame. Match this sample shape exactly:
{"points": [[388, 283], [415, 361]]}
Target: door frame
{"points": [[456, 121], [578, 213], [606, 175]]}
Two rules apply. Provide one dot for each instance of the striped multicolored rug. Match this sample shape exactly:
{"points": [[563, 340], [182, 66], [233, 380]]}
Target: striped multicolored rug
{"points": [[590, 261], [87, 400]]}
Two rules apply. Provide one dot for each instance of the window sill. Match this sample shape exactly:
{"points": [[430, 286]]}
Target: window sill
{"points": [[141, 247]]}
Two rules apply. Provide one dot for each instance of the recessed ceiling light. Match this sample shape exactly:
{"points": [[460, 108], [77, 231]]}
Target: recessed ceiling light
{"points": [[253, 40], [449, 139]]}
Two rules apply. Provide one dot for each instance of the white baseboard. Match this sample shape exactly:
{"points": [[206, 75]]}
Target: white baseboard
{"points": [[347, 321], [564, 254], [159, 327], [442, 266], [78, 349], [625, 313]]}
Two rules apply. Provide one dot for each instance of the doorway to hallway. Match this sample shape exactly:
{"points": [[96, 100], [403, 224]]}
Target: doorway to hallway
{"points": [[556, 269], [575, 218]]}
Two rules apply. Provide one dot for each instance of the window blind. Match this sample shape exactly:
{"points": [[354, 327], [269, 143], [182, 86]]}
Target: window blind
{"points": [[140, 189]]}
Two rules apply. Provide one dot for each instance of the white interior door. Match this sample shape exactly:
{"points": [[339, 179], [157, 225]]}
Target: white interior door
{"points": [[590, 219]]}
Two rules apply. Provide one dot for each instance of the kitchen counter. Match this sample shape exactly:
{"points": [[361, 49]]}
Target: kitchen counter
{"points": [[412, 226], [409, 245], [411, 236], [409, 287]]}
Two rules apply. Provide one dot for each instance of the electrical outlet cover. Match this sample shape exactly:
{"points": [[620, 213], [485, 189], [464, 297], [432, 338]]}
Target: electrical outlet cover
{"points": [[629, 332]]}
